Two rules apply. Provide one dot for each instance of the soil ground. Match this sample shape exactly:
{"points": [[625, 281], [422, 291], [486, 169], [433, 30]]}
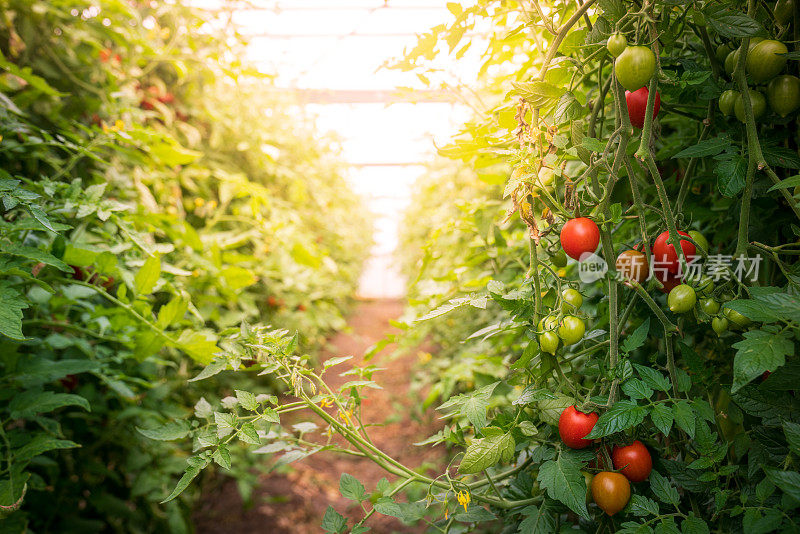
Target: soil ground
{"points": [[296, 502]]}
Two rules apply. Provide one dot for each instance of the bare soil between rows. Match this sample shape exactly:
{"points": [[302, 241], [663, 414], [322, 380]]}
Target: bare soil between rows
{"points": [[296, 502]]}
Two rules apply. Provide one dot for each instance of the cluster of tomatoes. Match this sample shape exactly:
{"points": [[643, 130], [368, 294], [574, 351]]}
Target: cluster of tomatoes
{"points": [[765, 60], [611, 490]]}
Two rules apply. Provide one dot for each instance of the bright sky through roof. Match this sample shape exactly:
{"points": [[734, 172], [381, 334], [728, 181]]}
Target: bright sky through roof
{"points": [[326, 44]]}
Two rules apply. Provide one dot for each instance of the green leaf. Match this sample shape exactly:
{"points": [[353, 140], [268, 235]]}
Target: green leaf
{"points": [[759, 351], [249, 434], [792, 181], [351, 488], [642, 506], [787, 481], [34, 254], [168, 432], [226, 423], [662, 418], [768, 307], [210, 370], [32, 402], [537, 521], [11, 306], [172, 311], [564, 482], [733, 24], [662, 489], [684, 417], [222, 456], [474, 514], [196, 464], [652, 378], [623, 414], [247, 400], [483, 453], [792, 432], [636, 340], [730, 175], [636, 389], [694, 525], [201, 346], [145, 280], [40, 444], [472, 406], [709, 147]]}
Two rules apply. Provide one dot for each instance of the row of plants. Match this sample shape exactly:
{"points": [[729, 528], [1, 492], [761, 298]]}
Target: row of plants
{"points": [[647, 384], [156, 196]]}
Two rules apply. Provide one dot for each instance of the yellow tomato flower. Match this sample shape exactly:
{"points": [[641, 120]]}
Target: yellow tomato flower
{"points": [[463, 499]]}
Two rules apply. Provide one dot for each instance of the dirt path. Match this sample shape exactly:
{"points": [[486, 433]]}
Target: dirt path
{"points": [[295, 503]]}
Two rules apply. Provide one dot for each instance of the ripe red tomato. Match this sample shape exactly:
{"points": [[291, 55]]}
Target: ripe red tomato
{"points": [[637, 105], [633, 461], [665, 256], [611, 491], [579, 236], [574, 425]]}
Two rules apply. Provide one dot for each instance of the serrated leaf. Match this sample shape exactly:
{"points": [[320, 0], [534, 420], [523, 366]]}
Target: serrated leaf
{"points": [[636, 389], [787, 481], [351, 488], [247, 400], [759, 351], [622, 415], [662, 418], [196, 464], [731, 175], [147, 276], [11, 306], [642, 506], [709, 147], [564, 482], [652, 378], [662, 489], [483, 453], [637, 338], [32, 402], [249, 434], [684, 417]]}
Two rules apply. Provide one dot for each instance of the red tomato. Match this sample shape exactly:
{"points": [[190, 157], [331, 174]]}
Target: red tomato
{"points": [[574, 425], [669, 280], [633, 461], [579, 236], [637, 105], [665, 256]]}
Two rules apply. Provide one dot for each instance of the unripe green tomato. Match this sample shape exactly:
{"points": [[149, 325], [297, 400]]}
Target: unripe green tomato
{"points": [[681, 299], [720, 325], [783, 11], [634, 67], [548, 342], [722, 52], [731, 61], [616, 44], [548, 323], [783, 94], [559, 259], [699, 240], [709, 306], [766, 59], [571, 300], [571, 330], [736, 318], [726, 102], [757, 101]]}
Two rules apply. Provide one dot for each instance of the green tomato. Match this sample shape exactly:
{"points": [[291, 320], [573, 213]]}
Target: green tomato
{"points": [[548, 342], [764, 60], [709, 306], [548, 323], [736, 318], [634, 67], [616, 44], [783, 11], [727, 101], [681, 299], [699, 240], [731, 61], [720, 325], [571, 330], [559, 259], [571, 300], [722, 52], [757, 101], [783, 94]]}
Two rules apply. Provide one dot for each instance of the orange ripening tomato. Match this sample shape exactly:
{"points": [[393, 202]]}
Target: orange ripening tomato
{"points": [[611, 491]]}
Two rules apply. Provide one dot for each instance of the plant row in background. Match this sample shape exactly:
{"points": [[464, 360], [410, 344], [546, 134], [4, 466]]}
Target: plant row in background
{"points": [[155, 197]]}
